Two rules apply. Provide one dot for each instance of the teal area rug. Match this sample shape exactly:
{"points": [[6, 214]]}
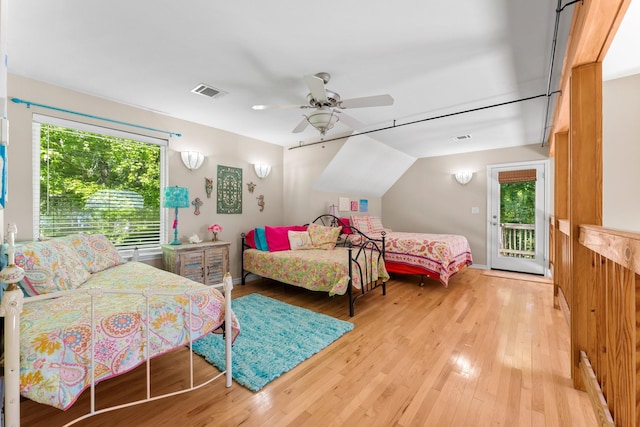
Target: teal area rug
{"points": [[274, 338]]}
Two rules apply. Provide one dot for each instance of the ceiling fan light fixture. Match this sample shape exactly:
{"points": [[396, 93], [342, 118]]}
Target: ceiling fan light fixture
{"points": [[323, 120]]}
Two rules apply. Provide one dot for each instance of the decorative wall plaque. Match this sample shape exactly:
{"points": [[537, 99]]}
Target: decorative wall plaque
{"points": [[229, 190]]}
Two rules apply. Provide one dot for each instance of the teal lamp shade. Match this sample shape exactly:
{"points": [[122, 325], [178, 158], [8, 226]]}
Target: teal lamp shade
{"points": [[176, 197]]}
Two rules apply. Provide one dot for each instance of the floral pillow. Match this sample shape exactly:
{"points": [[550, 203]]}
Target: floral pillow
{"points": [[299, 240], [50, 266], [95, 251], [323, 237]]}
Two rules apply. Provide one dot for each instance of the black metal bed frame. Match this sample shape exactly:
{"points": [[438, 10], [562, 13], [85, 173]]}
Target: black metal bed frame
{"points": [[366, 252]]}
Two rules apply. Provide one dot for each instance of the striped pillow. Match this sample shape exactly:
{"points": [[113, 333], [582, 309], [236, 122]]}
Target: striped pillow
{"points": [[361, 223], [375, 224]]}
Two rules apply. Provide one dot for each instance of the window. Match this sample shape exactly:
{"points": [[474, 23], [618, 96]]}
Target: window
{"points": [[97, 180]]}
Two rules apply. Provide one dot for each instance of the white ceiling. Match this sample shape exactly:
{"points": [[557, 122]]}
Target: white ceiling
{"points": [[434, 57], [622, 58]]}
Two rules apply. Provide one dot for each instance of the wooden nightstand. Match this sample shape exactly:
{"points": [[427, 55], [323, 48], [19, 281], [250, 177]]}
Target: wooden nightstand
{"points": [[205, 262]]}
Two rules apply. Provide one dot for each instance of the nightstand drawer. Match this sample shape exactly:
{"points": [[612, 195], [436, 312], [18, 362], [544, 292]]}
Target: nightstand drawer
{"points": [[205, 262]]}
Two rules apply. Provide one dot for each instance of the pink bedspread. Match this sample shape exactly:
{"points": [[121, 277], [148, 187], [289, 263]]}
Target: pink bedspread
{"points": [[439, 255], [442, 254], [55, 349]]}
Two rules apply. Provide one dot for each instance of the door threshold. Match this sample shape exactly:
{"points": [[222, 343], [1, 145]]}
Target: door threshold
{"points": [[518, 276]]}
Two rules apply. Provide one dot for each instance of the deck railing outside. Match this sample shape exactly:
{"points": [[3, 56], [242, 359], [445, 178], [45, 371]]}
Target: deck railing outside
{"points": [[517, 240]]}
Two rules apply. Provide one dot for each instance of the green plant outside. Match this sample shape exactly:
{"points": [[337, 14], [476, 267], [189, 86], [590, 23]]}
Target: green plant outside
{"points": [[76, 166]]}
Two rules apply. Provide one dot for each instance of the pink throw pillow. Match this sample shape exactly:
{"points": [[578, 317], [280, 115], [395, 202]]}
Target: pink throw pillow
{"points": [[278, 237], [347, 228], [250, 238]]}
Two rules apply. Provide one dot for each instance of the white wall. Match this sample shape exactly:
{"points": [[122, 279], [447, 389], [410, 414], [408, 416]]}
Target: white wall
{"points": [[621, 153], [220, 147], [302, 167], [427, 198], [3, 83]]}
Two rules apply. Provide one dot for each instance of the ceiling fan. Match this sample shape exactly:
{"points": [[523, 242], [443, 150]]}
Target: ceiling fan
{"points": [[328, 105]]}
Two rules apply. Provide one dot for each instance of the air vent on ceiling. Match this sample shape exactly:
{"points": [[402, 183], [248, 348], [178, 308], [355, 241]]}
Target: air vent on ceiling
{"points": [[461, 137], [208, 91]]}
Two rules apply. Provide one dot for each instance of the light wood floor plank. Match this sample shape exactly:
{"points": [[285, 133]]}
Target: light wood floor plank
{"points": [[487, 350]]}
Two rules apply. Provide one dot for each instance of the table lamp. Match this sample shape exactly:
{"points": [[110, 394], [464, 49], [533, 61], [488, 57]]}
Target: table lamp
{"points": [[176, 197]]}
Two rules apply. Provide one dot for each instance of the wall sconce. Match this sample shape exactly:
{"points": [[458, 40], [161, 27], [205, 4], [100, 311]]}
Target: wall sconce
{"points": [[262, 170], [192, 159], [463, 177]]}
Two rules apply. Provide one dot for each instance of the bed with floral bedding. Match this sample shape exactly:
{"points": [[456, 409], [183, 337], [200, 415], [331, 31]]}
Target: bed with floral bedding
{"points": [[315, 257], [438, 256], [79, 284]]}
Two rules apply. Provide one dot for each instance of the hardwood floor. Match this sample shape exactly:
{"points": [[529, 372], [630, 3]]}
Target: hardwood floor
{"points": [[485, 351]]}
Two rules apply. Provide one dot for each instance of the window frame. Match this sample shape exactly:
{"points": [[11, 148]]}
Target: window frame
{"points": [[40, 119]]}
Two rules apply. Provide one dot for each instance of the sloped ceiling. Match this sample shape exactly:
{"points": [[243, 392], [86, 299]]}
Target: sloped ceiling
{"points": [[376, 169]]}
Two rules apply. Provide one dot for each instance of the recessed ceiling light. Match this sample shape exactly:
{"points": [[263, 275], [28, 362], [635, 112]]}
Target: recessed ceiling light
{"points": [[461, 137]]}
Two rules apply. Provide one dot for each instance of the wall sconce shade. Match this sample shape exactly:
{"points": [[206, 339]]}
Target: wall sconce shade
{"points": [[463, 177], [262, 170], [192, 159], [176, 197]]}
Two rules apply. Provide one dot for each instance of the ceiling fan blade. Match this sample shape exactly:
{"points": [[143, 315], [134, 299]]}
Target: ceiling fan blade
{"points": [[351, 122], [367, 101], [301, 126], [278, 107], [316, 86]]}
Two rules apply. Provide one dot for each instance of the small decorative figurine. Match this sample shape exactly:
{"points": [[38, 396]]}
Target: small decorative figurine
{"points": [[251, 186], [261, 202], [208, 186], [197, 203], [194, 238]]}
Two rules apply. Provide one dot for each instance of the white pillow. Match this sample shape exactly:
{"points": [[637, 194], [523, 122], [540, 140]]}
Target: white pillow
{"points": [[299, 240]]}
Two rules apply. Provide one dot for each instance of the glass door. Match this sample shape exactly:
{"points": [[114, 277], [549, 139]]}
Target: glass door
{"points": [[517, 218]]}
